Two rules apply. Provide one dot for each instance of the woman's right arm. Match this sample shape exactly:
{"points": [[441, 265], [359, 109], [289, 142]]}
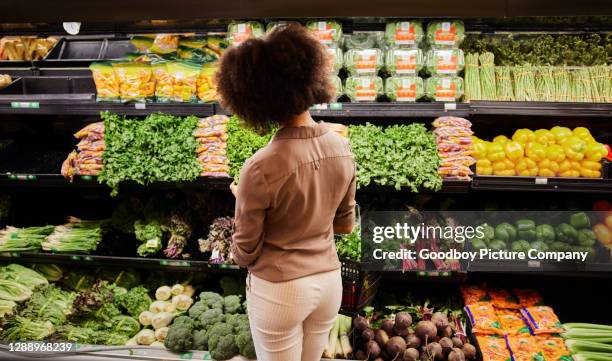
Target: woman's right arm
{"points": [[344, 221]]}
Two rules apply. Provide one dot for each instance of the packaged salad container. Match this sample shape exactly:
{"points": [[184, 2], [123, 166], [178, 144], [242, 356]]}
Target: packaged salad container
{"points": [[339, 91], [404, 61], [238, 32], [404, 34], [444, 61], [363, 88], [327, 32], [445, 33], [363, 61], [444, 88], [275, 24], [364, 40], [338, 58], [404, 88]]}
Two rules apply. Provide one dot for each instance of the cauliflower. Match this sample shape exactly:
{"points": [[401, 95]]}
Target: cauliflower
{"points": [[178, 338], [212, 300], [211, 317], [197, 309], [200, 340], [244, 342], [232, 304]]}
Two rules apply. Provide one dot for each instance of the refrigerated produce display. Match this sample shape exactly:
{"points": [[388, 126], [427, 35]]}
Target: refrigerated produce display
{"points": [[116, 216]]}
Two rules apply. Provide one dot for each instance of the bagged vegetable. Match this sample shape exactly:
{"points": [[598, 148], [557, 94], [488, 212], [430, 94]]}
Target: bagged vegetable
{"points": [[196, 55], [400, 34], [528, 297], [238, 32], [194, 42], [471, 294], [363, 88], [337, 82], [106, 80], [164, 81], [404, 88], [135, 81], [541, 320], [275, 24], [404, 61], [338, 59], [444, 61], [511, 322], [445, 33], [165, 44], [483, 318], [502, 298], [327, 32], [444, 89], [142, 43], [206, 88], [524, 347], [493, 348], [363, 61], [364, 40], [185, 76]]}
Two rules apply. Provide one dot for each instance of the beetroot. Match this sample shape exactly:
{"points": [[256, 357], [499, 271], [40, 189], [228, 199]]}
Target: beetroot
{"points": [[426, 330], [469, 351], [456, 355], [372, 350], [360, 355], [367, 334], [360, 323], [413, 341], [381, 337], [395, 347], [457, 342], [401, 332], [411, 354], [403, 320], [387, 326], [434, 350], [440, 320], [447, 332], [447, 345]]}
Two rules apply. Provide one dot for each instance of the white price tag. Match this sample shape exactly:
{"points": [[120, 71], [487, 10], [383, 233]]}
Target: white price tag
{"points": [[446, 26], [365, 82], [446, 83], [450, 106], [242, 28], [405, 25], [140, 106], [533, 264], [322, 25], [541, 181]]}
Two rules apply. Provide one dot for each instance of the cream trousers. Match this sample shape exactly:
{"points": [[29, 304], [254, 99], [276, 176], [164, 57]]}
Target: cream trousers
{"points": [[290, 321]]}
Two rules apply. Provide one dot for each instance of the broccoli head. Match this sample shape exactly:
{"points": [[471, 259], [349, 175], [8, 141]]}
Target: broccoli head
{"points": [[212, 300], [179, 338], [222, 347], [239, 322], [200, 340], [184, 321], [232, 304], [197, 309], [245, 344], [211, 317]]}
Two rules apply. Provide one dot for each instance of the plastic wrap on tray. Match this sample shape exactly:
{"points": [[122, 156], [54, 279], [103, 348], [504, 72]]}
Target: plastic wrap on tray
{"points": [[338, 89], [165, 44], [444, 61], [337, 58], [275, 24], [327, 32], [363, 88], [184, 76], [404, 88], [206, 86], [445, 33], [444, 89], [363, 61], [523, 347], [511, 322], [211, 135], [403, 33], [164, 82], [542, 320], [364, 40], [493, 348], [238, 32], [404, 61]]}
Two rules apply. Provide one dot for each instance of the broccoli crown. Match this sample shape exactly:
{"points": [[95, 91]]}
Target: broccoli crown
{"points": [[197, 309], [200, 340], [219, 329], [212, 300], [239, 322], [245, 344], [211, 317], [222, 347], [183, 321], [232, 304], [179, 338]]}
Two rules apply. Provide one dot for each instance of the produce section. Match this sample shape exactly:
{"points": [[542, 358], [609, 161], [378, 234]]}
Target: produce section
{"points": [[115, 165]]}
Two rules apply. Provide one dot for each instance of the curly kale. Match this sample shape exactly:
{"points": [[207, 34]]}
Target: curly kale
{"points": [[135, 301], [150, 234]]}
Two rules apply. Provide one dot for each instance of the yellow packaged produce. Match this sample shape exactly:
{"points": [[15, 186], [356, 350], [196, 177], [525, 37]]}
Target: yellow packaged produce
{"points": [[185, 77], [570, 174], [582, 133], [548, 165], [495, 151], [560, 132], [206, 87], [142, 43], [526, 167], [484, 167], [514, 150], [535, 151], [555, 153], [480, 149], [595, 151], [544, 136], [195, 42], [590, 164], [501, 139], [504, 173], [135, 81], [107, 83], [165, 44], [565, 165], [523, 136], [164, 81], [501, 164], [574, 147]]}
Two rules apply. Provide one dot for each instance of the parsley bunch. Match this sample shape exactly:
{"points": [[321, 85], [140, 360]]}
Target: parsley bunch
{"points": [[158, 148], [399, 156]]}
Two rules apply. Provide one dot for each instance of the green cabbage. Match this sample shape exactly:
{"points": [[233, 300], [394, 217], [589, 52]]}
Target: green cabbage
{"points": [[404, 88], [237, 32], [327, 32], [445, 33], [399, 34], [363, 88], [444, 61], [444, 88], [363, 61], [338, 58], [404, 61]]}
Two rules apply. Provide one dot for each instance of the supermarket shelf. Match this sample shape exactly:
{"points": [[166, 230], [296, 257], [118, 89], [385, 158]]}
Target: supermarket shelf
{"points": [[539, 268], [527, 184], [541, 108], [136, 262], [345, 110]]}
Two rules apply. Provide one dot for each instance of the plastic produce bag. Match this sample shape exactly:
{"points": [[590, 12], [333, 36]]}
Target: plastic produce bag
{"points": [[164, 82], [327, 32], [337, 82], [364, 40], [444, 89], [400, 34], [196, 55], [445, 33], [338, 59], [274, 24], [142, 43], [363, 88], [135, 81], [194, 42], [404, 88], [165, 44], [206, 88], [238, 32], [444, 61], [185, 77], [404, 61], [106, 80], [363, 61]]}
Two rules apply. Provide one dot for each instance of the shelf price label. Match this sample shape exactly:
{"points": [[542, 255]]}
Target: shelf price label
{"points": [[22, 177], [541, 181], [533, 264], [25, 105], [175, 263]]}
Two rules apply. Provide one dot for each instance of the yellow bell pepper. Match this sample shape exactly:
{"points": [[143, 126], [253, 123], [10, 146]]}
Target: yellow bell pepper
{"points": [[590, 164], [574, 148], [560, 132], [484, 167], [535, 151], [543, 172], [499, 165], [480, 149], [526, 167], [544, 136], [495, 151], [575, 165], [501, 139], [555, 153], [588, 173], [548, 164], [514, 150], [523, 136], [565, 165], [595, 151], [582, 133], [504, 173], [509, 164], [570, 174]]}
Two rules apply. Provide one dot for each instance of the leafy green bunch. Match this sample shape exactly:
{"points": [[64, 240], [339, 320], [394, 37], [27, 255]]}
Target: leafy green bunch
{"points": [[242, 143]]}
